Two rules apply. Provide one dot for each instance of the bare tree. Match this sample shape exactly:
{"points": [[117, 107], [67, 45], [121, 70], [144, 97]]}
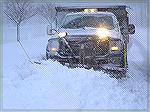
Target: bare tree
{"points": [[18, 11], [47, 10]]}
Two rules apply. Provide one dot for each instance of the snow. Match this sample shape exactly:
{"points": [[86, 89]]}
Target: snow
{"points": [[89, 13], [51, 85]]}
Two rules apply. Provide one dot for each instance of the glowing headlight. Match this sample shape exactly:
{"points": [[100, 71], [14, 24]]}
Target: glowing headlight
{"points": [[86, 10], [114, 48], [115, 45], [93, 10], [53, 45], [90, 10], [102, 32], [62, 34], [54, 49]]}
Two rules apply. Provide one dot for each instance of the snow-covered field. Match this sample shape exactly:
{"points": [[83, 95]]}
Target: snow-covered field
{"points": [[54, 86]]}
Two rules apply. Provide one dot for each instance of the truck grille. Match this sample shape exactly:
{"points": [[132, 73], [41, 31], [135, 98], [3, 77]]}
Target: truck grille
{"points": [[90, 48]]}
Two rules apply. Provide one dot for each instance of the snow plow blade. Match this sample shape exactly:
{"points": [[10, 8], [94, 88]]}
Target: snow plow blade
{"points": [[114, 72]]}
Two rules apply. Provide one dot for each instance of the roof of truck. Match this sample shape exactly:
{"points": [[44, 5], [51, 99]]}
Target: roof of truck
{"points": [[77, 8], [77, 13]]}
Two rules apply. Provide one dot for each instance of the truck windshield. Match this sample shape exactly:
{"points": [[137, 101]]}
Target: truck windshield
{"points": [[88, 21]]}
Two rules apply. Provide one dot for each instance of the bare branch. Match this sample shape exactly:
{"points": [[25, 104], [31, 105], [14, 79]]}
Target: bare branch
{"points": [[47, 10], [10, 17], [19, 10]]}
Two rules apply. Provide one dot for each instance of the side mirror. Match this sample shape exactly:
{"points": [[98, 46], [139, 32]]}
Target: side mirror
{"points": [[123, 31], [131, 29], [50, 31]]}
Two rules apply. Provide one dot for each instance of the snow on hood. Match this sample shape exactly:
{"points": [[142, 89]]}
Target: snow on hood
{"points": [[89, 31]]}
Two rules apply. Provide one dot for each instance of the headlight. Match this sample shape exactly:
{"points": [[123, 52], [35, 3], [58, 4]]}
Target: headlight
{"points": [[53, 45], [62, 34], [114, 48], [115, 45], [103, 34], [53, 49], [90, 10]]}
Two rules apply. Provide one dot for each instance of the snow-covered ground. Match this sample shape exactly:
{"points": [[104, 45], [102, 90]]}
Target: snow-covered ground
{"points": [[54, 86]]}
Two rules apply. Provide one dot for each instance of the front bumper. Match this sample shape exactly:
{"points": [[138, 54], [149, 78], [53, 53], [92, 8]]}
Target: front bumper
{"points": [[113, 58]]}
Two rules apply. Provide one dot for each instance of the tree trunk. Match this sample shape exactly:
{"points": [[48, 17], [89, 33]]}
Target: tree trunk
{"points": [[18, 32], [50, 23]]}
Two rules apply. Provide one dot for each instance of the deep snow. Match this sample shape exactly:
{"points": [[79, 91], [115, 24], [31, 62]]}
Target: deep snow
{"points": [[54, 86]]}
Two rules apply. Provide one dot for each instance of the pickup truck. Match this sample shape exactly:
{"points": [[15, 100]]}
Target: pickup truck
{"points": [[91, 37]]}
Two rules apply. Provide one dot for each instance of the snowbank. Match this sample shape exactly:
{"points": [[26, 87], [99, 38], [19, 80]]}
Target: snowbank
{"points": [[54, 86]]}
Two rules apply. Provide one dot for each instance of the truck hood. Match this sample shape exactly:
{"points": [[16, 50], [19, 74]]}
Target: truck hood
{"points": [[89, 32]]}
